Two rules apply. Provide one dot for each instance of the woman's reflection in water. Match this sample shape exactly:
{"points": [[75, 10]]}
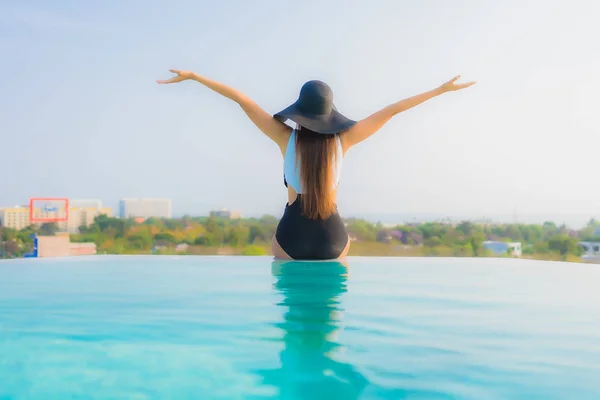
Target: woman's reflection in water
{"points": [[311, 321]]}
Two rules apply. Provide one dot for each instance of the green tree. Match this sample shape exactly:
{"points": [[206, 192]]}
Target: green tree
{"points": [[431, 229], [48, 229], [237, 236], [215, 234], [541, 247], [433, 241], [211, 224], [165, 236], [362, 229], [152, 221], [174, 224], [564, 245], [114, 227], [258, 233], [466, 228], [476, 242], [465, 250], [140, 241], [549, 227], [268, 220], [201, 241]]}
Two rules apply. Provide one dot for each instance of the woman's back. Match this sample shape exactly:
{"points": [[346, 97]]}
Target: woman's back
{"points": [[312, 168], [292, 162]]}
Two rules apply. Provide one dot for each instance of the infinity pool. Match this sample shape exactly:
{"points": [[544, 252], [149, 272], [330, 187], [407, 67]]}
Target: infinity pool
{"points": [[161, 327]]}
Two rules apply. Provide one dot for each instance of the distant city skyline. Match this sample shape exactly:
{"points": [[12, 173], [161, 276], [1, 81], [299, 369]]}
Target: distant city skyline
{"points": [[574, 220], [82, 116]]}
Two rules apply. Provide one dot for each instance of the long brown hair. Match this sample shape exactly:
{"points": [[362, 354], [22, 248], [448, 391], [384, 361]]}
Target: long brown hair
{"points": [[317, 155]]}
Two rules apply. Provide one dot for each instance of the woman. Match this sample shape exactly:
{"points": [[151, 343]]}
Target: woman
{"points": [[311, 228]]}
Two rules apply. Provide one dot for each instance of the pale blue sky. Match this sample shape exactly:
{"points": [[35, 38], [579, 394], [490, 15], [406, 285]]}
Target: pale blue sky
{"points": [[81, 115]]}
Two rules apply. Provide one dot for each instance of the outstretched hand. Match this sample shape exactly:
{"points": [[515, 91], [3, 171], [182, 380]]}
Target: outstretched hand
{"points": [[180, 76], [452, 86]]}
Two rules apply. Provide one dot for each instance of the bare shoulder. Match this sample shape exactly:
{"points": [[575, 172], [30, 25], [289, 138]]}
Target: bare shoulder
{"points": [[276, 130]]}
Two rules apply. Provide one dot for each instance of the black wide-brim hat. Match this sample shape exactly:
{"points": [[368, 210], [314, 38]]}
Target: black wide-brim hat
{"points": [[315, 110]]}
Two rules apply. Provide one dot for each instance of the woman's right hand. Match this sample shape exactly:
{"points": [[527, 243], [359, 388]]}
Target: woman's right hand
{"points": [[452, 86], [180, 76]]}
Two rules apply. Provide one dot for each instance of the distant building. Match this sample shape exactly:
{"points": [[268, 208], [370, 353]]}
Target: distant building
{"points": [[82, 249], [60, 245], [503, 248], [591, 252], [145, 208], [224, 213], [590, 247], [16, 217], [82, 216]]}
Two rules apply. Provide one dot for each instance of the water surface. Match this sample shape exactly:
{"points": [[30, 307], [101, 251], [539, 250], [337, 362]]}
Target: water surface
{"points": [[162, 327]]}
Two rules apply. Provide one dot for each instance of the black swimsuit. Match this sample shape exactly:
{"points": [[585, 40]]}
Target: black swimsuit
{"points": [[303, 238]]}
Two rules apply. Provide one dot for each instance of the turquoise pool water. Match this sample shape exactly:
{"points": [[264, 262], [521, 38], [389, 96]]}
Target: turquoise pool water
{"points": [[162, 327]]}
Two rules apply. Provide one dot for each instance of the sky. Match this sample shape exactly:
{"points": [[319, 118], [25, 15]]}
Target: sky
{"points": [[81, 115]]}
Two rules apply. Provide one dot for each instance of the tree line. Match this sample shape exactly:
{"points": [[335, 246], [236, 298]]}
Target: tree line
{"points": [[207, 235]]}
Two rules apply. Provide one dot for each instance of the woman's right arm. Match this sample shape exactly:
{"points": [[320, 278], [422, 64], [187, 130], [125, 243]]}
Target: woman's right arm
{"points": [[368, 126], [274, 129]]}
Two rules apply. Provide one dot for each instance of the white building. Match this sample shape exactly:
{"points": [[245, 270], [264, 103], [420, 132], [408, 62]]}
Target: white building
{"points": [[16, 217], [145, 208]]}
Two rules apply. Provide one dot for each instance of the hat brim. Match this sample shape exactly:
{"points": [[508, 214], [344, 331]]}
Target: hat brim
{"points": [[328, 124]]}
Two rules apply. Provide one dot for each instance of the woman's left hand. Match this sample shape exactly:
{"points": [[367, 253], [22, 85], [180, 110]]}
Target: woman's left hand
{"points": [[179, 77]]}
